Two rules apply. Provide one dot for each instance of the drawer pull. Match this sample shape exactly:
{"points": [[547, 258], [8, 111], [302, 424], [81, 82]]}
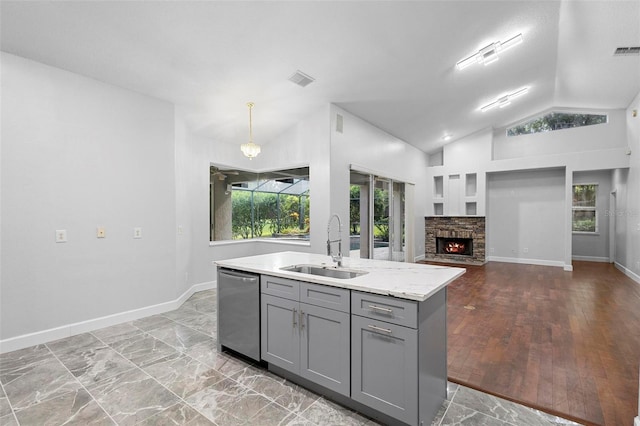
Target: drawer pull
{"points": [[373, 327], [379, 308]]}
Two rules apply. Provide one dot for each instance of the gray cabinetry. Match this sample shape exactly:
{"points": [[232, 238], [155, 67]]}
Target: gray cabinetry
{"points": [[385, 367], [307, 339], [398, 359], [280, 338]]}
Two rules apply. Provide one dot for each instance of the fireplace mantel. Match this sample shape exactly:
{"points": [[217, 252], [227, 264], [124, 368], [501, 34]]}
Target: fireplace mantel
{"points": [[464, 227]]}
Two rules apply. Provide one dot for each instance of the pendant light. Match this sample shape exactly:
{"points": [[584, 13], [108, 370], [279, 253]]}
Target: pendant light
{"points": [[250, 149]]}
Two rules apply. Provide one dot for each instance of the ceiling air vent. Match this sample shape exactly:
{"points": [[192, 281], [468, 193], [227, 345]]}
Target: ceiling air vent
{"points": [[301, 79], [627, 51]]}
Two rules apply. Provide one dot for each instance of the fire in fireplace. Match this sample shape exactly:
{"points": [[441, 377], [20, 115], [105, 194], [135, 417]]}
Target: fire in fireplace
{"points": [[457, 246]]}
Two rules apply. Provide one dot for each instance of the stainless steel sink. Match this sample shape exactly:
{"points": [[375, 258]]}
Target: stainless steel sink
{"points": [[325, 271]]}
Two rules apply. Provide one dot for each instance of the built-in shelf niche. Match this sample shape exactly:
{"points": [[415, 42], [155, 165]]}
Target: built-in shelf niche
{"points": [[471, 209], [438, 187], [438, 209], [471, 185]]}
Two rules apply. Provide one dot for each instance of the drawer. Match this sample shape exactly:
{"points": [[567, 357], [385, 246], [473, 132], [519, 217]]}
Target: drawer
{"points": [[281, 287], [385, 308], [325, 296]]}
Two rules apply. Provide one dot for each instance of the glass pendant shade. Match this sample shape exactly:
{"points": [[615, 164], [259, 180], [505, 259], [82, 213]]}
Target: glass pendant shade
{"points": [[250, 149]]}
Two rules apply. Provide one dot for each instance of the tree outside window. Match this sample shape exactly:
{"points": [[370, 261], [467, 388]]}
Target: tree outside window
{"points": [[585, 215]]}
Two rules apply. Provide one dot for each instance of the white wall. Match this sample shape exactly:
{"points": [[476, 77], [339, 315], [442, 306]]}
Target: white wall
{"points": [[524, 216], [77, 154], [489, 151], [374, 150], [588, 138], [304, 144], [594, 247], [629, 259]]}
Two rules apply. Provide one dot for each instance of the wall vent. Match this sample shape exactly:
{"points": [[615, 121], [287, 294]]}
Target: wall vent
{"points": [[339, 123], [627, 51], [301, 79]]}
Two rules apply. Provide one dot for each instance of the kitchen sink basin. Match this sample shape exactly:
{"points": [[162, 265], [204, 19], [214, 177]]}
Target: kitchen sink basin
{"points": [[325, 271]]}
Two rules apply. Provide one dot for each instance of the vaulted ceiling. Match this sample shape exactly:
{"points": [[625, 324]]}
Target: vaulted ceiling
{"points": [[391, 63]]}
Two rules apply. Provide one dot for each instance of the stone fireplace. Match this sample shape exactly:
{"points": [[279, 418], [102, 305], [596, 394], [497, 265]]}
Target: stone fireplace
{"points": [[458, 239]]}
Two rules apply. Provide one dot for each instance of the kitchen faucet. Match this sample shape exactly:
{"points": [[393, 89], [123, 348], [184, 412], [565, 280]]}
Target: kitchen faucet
{"points": [[335, 257]]}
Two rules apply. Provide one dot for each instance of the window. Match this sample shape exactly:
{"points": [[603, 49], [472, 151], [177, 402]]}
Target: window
{"points": [[245, 205], [585, 215], [556, 121]]}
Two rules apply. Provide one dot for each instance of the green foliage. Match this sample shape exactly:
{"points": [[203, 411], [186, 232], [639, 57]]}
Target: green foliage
{"points": [[354, 209], [584, 195], [556, 121], [380, 211], [266, 215]]}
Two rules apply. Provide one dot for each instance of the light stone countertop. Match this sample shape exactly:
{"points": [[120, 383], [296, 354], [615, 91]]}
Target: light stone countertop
{"points": [[410, 281]]}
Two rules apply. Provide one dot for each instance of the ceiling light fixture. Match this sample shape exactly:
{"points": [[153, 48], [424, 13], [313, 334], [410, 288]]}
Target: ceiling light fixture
{"points": [[447, 137], [489, 54], [250, 149], [505, 100]]}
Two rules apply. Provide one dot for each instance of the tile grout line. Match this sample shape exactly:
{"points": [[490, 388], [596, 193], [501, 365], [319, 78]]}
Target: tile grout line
{"points": [[272, 401], [225, 376], [13, 412], [153, 378], [80, 383]]}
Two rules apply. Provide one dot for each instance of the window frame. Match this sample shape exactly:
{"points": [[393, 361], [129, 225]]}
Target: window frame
{"points": [[278, 182], [545, 115], [593, 209]]}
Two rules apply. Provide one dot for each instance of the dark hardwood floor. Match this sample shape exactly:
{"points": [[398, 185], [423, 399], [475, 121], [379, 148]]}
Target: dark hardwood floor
{"points": [[564, 342]]}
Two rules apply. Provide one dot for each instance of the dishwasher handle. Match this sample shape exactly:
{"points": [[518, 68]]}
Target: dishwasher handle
{"points": [[237, 276]]}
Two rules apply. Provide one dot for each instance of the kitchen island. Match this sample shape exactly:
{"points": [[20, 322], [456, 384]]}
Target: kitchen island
{"points": [[370, 334]]}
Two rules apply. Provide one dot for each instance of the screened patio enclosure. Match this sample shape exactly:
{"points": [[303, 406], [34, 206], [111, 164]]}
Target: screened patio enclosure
{"points": [[246, 205]]}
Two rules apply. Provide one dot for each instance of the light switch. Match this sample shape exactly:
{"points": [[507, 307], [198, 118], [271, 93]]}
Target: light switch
{"points": [[61, 236], [137, 233], [100, 232]]}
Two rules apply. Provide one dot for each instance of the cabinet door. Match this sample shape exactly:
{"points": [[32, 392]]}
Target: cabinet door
{"points": [[324, 352], [280, 335], [384, 367]]}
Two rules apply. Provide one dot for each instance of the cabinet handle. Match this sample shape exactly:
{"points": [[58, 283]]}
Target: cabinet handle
{"points": [[294, 318], [386, 330], [379, 308], [301, 319]]}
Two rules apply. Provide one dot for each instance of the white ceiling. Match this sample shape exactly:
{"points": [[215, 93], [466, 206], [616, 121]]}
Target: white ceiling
{"points": [[391, 63]]}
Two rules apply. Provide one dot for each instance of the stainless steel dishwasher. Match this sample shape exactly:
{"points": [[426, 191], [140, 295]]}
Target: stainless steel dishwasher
{"points": [[239, 312]]}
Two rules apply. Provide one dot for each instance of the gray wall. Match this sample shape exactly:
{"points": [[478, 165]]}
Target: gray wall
{"points": [[595, 247], [77, 154], [525, 216]]}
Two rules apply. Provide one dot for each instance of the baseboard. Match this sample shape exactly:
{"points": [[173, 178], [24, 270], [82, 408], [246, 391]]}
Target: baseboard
{"points": [[39, 337], [557, 263], [419, 258], [628, 272], [591, 259]]}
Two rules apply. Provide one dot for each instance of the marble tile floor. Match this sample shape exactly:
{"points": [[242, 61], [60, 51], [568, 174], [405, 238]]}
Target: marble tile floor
{"points": [[165, 370]]}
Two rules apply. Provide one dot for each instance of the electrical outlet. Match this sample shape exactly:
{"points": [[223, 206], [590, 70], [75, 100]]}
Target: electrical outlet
{"points": [[492, 250], [525, 250], [137, 233], [180, 230], [61, 236], [100, 232], [638, 229]]}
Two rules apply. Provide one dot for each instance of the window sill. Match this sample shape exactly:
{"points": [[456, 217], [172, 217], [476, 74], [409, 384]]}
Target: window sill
{"points": [[585, 233], [302, 243]]}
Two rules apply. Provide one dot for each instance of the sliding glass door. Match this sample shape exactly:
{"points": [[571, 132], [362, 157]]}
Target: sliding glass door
{"points": [[377, 217]]}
